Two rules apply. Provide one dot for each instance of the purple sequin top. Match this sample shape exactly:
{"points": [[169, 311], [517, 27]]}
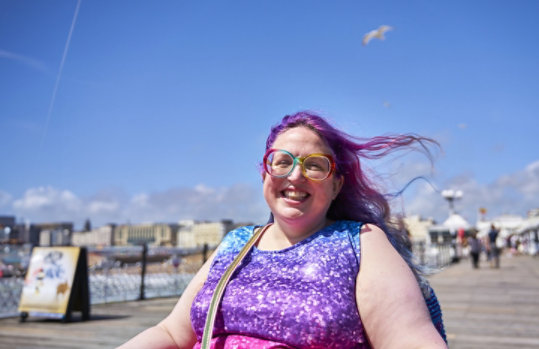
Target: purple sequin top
{"points": [[299, 297]]}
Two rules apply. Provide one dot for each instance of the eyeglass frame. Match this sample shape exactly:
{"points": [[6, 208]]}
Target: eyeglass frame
{"points": [[299, 159]]}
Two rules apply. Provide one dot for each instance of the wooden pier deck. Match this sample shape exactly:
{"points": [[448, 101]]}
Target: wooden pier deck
{"points": [[485, 308]]}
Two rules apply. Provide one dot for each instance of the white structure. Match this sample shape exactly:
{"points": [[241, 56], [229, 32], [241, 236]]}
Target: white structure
{"points": [[528, 233], [506, 224], [456, 222], [418, 227], [196, 234], [451, 195], [153, 234], [54, 237], [98, 237]]}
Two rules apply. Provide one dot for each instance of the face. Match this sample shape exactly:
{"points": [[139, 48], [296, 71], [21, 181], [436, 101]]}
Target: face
{"points": [[296, 201]]}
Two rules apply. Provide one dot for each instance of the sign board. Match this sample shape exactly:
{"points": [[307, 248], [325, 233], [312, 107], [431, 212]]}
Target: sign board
{"points": [[56, 283]]}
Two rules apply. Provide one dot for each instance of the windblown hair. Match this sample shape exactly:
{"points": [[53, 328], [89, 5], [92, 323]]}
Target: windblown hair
{"points": [[359, 198]]}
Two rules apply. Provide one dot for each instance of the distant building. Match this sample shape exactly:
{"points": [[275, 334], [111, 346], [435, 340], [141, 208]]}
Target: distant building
{"points": [[196, 233], [51, 234], [99, 237], [448, 230], [418, 227], [528, 233], [508, 224], [7, 226], [159, 234]]}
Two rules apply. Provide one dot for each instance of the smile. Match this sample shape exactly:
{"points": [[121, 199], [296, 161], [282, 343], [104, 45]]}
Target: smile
{"points": [[294, 195]]}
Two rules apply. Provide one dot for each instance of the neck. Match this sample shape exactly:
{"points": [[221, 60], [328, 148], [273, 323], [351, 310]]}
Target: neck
{"points": [[294, 232]]}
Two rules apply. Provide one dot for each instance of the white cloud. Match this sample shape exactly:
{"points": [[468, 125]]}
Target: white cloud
{"points": [[510, 194], [140, 200], [47, 198], [515, 193], [238, 202], [99, 207], [48, 204]]}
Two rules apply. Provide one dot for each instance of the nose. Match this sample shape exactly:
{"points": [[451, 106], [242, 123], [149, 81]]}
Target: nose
{"points": [[296, 173]]}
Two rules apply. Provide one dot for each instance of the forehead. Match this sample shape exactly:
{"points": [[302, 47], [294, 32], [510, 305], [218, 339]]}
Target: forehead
{"points": [[301, 139]]}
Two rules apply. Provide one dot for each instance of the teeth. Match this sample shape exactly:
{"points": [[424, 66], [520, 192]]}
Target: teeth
{"points": [[295, 195]]}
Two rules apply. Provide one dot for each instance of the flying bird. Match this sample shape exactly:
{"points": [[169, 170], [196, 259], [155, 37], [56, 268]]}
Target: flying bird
{"points": [[376, 33]]}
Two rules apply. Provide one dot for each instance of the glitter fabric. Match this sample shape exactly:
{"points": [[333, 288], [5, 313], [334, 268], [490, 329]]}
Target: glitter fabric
{"points": [[299, 297]]}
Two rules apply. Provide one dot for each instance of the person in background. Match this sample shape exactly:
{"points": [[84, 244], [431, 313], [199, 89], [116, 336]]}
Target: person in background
{"points": [[493, 248], [329, 270], [475, 248]]}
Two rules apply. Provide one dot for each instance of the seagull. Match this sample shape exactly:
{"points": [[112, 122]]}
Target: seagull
{"points": [[376, 33]]}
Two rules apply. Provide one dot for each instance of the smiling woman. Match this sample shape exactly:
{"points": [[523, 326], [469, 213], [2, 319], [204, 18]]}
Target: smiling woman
{"points": [[327, 271]]}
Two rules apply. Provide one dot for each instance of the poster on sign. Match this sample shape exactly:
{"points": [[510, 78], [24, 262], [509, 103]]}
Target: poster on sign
{"points": [[54, 281]]}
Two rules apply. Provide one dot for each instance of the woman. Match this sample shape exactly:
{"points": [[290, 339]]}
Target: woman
{"points": [[328, 272]]}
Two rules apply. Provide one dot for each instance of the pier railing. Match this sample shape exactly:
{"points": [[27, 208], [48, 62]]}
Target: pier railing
{"points": [[119, 274], [434, 256]]}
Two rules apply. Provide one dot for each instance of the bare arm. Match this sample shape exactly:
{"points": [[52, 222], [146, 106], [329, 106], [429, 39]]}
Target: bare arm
{"points": [[390, 303], [175, 330]]}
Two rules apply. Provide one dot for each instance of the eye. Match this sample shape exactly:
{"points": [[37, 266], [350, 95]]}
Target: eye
{"points": [[317, 163], [281, 160], [282, 163], [313, 166]]}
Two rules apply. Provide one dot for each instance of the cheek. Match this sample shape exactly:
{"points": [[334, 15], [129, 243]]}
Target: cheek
{"points": [[267, 186]]}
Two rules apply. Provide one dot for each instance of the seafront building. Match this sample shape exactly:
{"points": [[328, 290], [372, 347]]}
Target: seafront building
{"points": [[52, 234], [196, 233], [152, 234], [98, 237], [185, 234]]}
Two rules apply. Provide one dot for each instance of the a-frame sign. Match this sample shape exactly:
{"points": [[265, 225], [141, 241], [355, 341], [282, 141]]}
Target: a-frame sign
{"points": [[56, 284]]}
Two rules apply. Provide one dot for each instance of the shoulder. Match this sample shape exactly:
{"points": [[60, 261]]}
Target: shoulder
{"points": [[373, 237], [234, 241], [389, 299], [377, 252], [352, 228], [236, 238], [373, 229]]}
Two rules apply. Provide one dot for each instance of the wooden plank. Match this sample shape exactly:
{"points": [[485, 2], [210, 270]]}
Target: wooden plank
{"points": [[491, 308]]}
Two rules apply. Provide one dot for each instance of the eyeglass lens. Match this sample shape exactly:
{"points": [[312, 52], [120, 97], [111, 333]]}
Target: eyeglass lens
{"points": [[280, 163]]}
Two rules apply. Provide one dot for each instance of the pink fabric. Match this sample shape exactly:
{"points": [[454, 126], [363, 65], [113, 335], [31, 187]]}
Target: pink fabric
{"points": [[242, 342]]}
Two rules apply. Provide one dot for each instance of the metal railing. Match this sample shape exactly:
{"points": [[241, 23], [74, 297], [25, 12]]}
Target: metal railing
{"points": [[119, 274], [434, 256]]}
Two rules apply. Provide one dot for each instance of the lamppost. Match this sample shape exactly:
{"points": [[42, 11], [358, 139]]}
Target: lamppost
{"points": [[451, 195]]}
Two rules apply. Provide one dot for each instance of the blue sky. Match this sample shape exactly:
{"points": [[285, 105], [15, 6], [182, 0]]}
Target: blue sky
{"points": [[162, 107]]}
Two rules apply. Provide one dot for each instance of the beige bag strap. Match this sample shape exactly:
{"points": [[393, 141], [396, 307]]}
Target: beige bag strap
{"points": [[221, 285]]}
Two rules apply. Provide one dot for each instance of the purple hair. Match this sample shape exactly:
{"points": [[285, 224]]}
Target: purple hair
{"points": [[359, 198]]}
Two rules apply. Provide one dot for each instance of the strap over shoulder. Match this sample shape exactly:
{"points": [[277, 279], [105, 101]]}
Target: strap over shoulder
{"points": [[221, 285]]}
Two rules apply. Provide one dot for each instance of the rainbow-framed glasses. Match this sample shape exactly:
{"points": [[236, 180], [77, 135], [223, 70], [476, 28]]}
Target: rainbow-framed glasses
{"points": [[280, 163]]}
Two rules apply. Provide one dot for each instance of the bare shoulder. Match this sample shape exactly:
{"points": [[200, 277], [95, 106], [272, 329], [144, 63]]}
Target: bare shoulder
{"points": [[374, 242], [390, 303], [371, 230]]}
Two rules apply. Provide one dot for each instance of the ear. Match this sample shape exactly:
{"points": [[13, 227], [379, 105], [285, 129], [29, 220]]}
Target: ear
{"points": [[338, 182]]}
